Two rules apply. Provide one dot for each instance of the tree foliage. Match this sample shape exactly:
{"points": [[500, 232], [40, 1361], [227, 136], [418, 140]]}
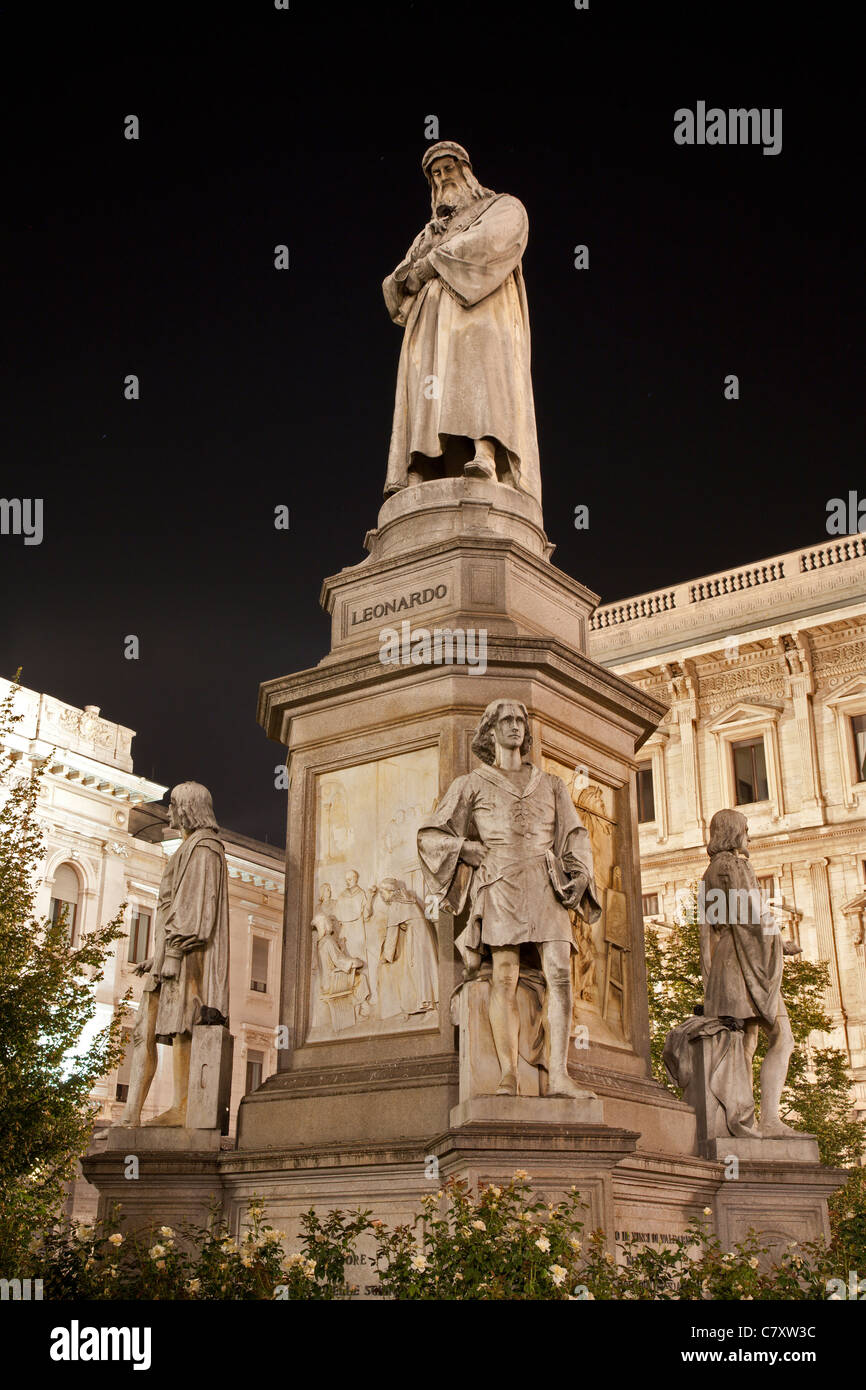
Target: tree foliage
{"points": [[49, 1063]]}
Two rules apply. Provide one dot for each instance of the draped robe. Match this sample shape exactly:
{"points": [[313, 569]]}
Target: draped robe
{"points": [[741, 953], [467, 328], [196, 922]]}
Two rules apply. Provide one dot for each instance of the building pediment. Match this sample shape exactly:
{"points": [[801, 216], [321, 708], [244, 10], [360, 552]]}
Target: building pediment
{"points": [[744, 713], [852, 689]]}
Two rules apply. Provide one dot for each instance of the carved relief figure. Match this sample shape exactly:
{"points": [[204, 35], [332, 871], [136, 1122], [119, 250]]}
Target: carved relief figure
{"points": [[408, 971], [508, 838], [341, 982], [464, 392]]}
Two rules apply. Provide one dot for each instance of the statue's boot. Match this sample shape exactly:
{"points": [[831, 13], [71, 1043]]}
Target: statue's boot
{"points": [[483, 465], [175, 1116], [558, 1025], [508, 1084], [777, 1129]]}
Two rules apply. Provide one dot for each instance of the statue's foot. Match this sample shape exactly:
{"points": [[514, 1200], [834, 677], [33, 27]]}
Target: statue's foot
{"points": [[480, 468], [561, 1084], [508, 1084], [175, 1116], [128, 1124], [745, 1131], [775, 1129]]}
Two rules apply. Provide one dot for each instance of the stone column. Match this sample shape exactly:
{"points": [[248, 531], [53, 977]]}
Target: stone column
{"points": [[800, 689], [824, 927], [683, 689]]}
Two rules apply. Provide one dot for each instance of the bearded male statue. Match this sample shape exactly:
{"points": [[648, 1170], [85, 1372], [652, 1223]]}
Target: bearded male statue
{"points": [[508, 838], [464, 401]]}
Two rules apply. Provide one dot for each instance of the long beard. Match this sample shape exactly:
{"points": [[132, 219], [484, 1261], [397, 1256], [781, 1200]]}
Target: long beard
{"points": [[452, 201]]}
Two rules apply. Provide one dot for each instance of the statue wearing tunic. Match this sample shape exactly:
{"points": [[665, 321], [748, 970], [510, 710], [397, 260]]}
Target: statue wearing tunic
{"points": [[464, 376], [508, 839]]}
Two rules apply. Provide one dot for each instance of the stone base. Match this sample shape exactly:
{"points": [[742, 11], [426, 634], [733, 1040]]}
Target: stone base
{"points": [[521, 1110], [803, 1149], [156, 1139]]}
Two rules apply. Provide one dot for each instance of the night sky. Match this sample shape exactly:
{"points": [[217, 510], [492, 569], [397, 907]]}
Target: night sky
{"points": [[261, 387]]}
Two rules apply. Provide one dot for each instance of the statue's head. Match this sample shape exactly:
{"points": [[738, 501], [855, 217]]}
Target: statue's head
{"points": [[325, 893], [506, 723], [448, 170], [729, 831], [191, 807], [352, 878]]}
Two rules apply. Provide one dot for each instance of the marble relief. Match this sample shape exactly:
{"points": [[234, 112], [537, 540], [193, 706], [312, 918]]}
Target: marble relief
{"points": [[600, 967], [375, 959]]}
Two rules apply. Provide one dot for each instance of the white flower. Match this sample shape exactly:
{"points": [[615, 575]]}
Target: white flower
{"points": [[609, 1258], [193, 1285], [753, 1262], [160, 1264], [310, 1268], [115, 1239], [85, 1232], [478, 1226], [458, 1275], [273, 1237], [247, 1261], [419, 1263], [543, 1244], [166, 1231], [557, 1274], [575, 1244], [747, 1298], [112, 1270], [156, 1252], [228, 1246], [292, 1261], [495, 1191], [708, 1211], [521, 1175]]}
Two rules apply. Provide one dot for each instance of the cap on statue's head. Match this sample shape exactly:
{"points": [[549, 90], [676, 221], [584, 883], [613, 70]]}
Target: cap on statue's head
{"points": [[441, 148]]}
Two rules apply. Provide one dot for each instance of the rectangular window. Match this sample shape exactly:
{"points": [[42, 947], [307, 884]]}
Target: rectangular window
{"points": [[858, 729], [646, 803], [259, 968], [255, 1062], [59, 908], [767, 885], [750, 771], [124, 1071], [650, 904], [139, 936]]}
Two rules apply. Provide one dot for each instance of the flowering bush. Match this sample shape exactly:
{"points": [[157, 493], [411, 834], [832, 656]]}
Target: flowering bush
{"points": [[498, 1243], [96, 1262]]}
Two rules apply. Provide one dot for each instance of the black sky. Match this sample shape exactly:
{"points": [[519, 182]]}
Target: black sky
{"points": [[261, 387]]}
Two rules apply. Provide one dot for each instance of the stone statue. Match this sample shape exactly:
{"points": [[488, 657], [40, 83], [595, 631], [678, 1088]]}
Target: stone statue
{"points": [[508, 837], [187, 979], [464, 393], [742, 954]]}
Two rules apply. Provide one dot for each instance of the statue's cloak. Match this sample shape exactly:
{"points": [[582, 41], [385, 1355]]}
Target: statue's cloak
{"points": [[465, 361], [741, 946], [195, 921]]}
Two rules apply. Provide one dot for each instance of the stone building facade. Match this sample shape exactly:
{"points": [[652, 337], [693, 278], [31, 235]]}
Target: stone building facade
{"points": [[106, 842], [764, 669]]}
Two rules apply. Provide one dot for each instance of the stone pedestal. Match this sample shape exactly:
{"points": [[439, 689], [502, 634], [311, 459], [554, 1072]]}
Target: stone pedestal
{"points": [[374, 1103]]}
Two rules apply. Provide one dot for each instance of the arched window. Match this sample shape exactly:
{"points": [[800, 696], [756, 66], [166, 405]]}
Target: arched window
{"points": [[64, 898]]}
